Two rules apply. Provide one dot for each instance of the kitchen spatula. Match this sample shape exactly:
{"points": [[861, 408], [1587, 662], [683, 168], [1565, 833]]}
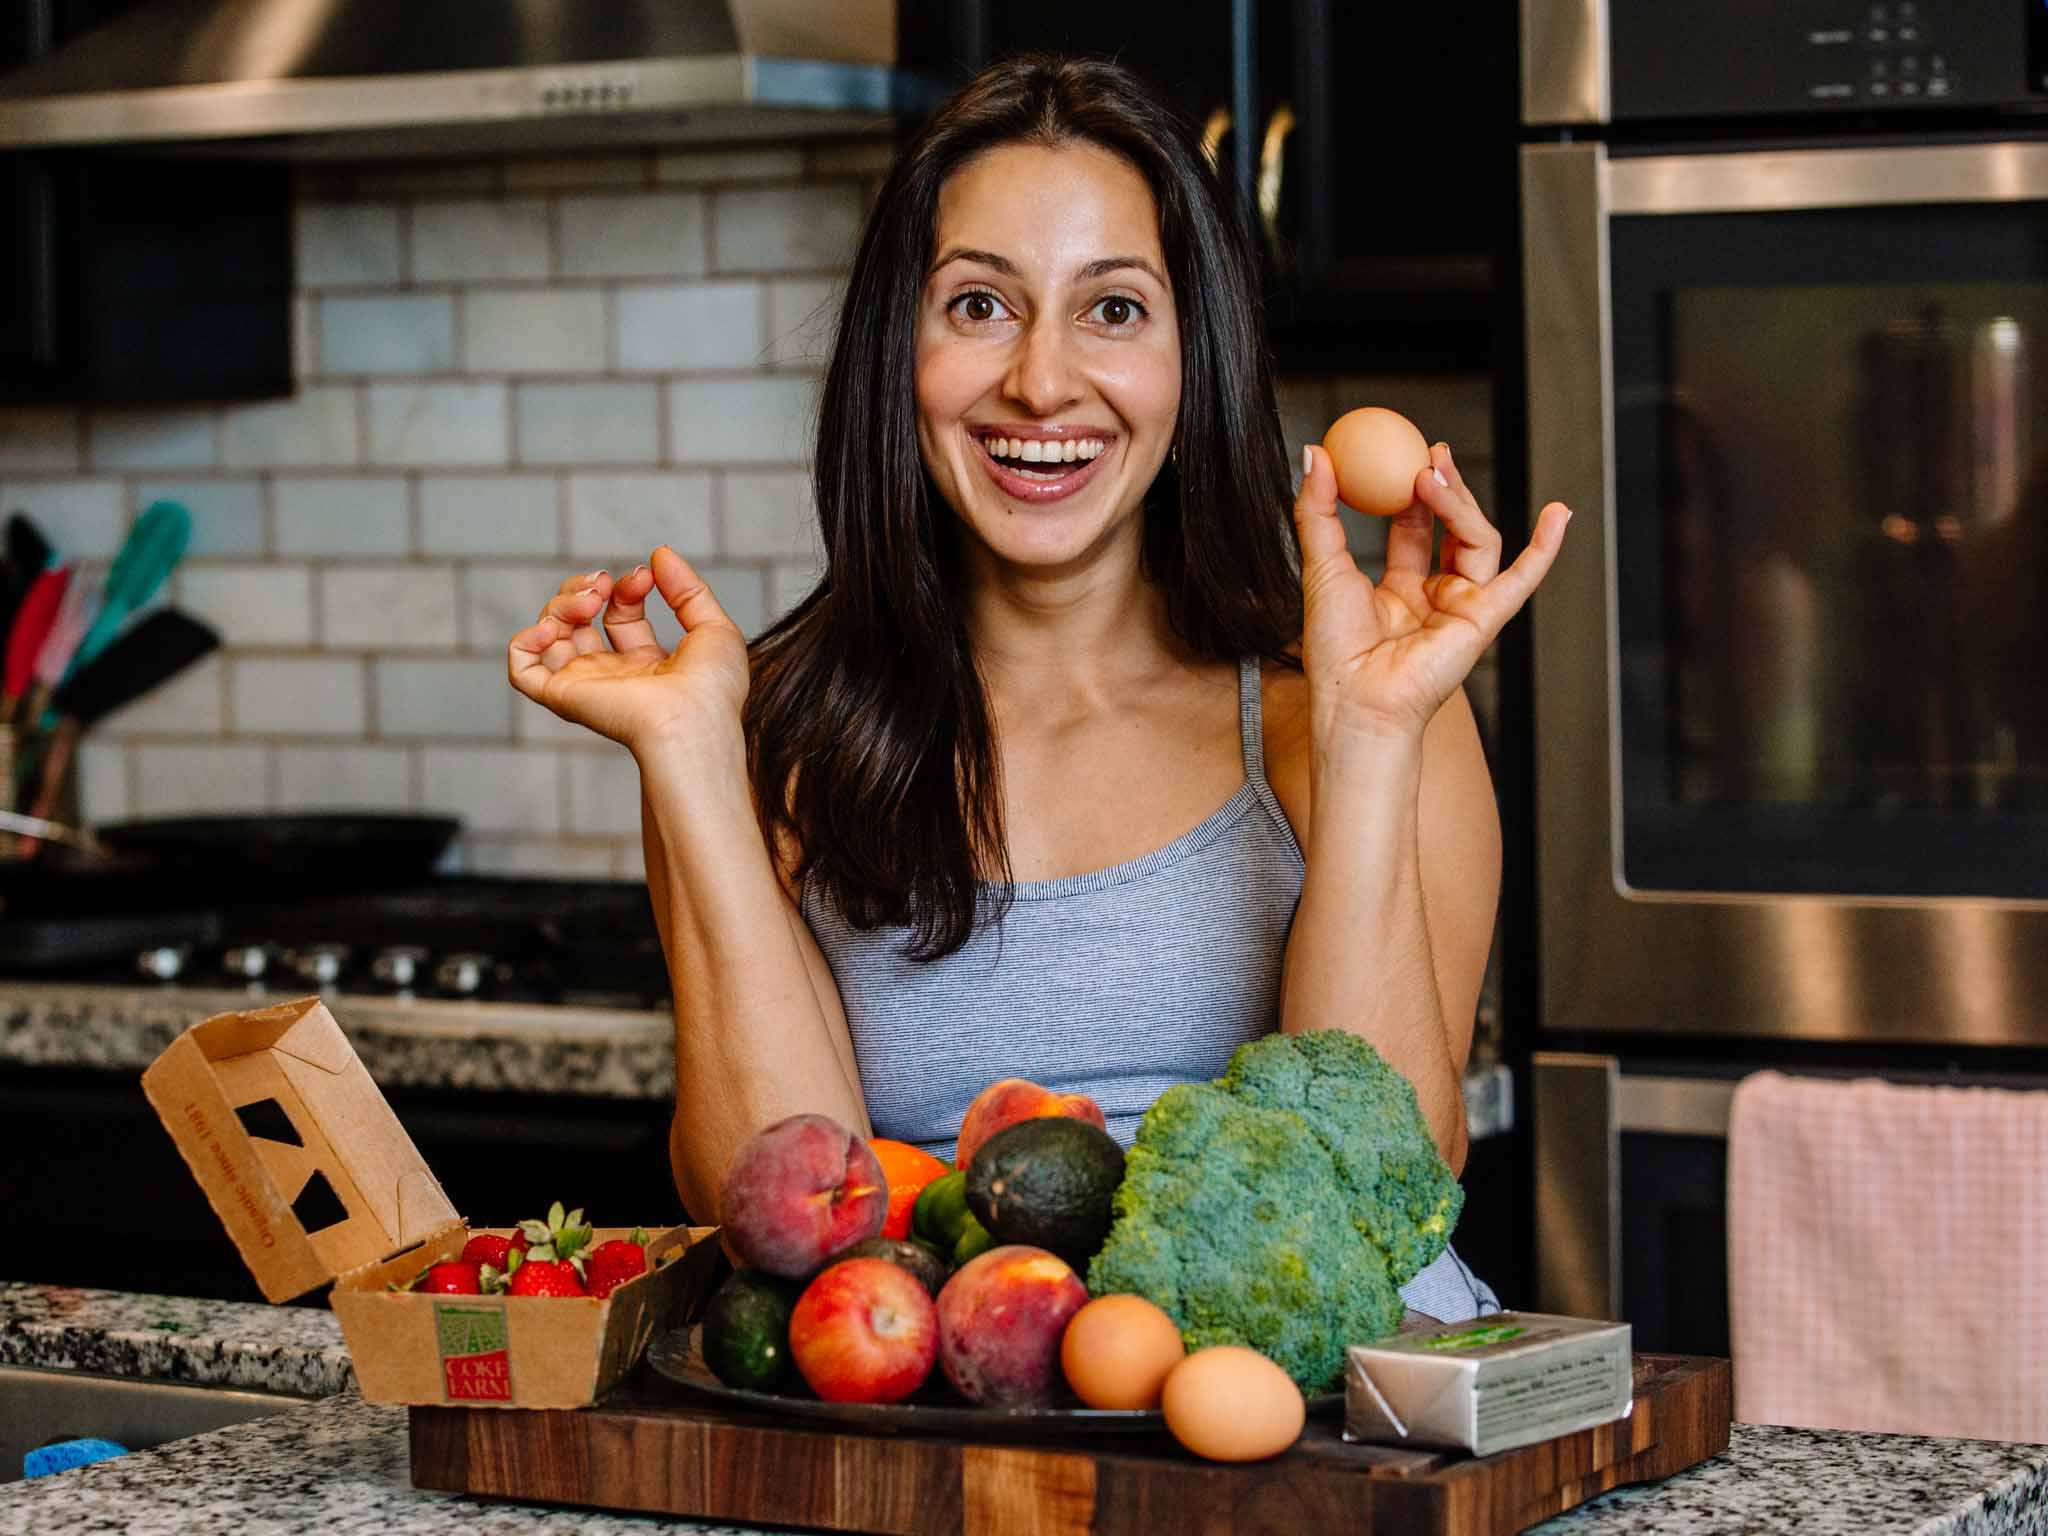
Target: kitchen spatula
{"points": [[27, 553], [25, 639], [149, 655], [154, 545]]}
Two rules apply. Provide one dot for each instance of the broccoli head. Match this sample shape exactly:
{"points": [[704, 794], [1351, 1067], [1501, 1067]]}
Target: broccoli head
{"points": [[1282, 1205]]}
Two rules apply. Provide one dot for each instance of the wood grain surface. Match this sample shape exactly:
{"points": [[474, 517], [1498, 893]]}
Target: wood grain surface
{"points": [[647, 1448]]}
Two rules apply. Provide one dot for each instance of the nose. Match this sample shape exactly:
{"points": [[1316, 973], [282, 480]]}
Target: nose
{"points": [[1043, 377]]}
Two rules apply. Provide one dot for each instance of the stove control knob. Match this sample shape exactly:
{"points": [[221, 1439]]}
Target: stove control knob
{"points": [[399, 965], [464, 974], [319, 964], [248, 962], [163, 962]]}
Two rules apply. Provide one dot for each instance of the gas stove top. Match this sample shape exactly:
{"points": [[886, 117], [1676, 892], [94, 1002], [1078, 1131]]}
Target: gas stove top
{"points": [[587, 944]]}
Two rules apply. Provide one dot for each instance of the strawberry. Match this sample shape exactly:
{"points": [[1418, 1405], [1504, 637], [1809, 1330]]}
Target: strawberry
{"points": [[488, 1248], [611, 1264], [455, 1278], [545, 1277]]}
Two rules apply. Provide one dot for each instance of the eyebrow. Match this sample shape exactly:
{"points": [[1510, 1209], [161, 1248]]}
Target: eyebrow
{"points": [[1101, 267]]}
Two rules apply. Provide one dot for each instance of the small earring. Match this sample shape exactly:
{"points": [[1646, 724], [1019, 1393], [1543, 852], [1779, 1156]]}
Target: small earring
{"points": [[1173, 454]]}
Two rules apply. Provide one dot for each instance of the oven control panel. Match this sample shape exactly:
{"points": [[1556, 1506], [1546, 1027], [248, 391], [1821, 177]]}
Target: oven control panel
{"points": [[1777, 57]]}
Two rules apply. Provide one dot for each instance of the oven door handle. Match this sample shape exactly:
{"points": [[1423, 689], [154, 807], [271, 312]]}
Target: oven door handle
{"points": [[1794, 180]]}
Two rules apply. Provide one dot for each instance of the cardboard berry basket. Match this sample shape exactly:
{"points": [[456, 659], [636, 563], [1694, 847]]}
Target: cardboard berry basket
{"points": [[273, 1109]]}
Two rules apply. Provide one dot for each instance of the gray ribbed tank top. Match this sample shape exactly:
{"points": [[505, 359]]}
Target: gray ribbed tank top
{"points": [[1118, 984]]}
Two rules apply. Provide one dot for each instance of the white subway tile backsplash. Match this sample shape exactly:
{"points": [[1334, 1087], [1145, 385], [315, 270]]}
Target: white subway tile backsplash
{"points": [[102, 770], [227, 515], [802, 312], [332, 777], [620, 518], [768, 513], [395, 333], [789, 583], [500, 600], [315, 429], [742, 591], [151, 439], [346, 245], [496, 789], [537, 723], [82, 519], [444, 697], [741, 420], [786, 229], [174, 778], [251, 605], [297, 696], [389, 607], [343, 515], [189, 704], [34, 438], [433, 424], [703, 166], [490, 515], [554, 330], [636, 234], [681, 326], [588, 424], [472, 242], [604, 793]]}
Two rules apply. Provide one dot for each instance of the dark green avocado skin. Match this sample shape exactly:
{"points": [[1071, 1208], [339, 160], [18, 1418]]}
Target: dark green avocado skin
{"points": [[1047, 1181]]}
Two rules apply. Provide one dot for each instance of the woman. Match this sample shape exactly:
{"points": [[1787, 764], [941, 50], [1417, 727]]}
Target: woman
{"points": [[1063, 772]]}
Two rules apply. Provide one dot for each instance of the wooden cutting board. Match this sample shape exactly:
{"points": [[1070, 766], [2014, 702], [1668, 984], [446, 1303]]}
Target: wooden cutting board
{"points": [[646, 1448]]}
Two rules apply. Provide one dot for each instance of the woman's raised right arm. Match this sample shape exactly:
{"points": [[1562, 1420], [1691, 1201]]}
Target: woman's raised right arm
{"points": [[760, 1033]]}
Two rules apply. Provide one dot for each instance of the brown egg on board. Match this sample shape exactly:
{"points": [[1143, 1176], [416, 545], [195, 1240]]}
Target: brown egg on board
{"points": [[1228, 1403], [1377, 454]]}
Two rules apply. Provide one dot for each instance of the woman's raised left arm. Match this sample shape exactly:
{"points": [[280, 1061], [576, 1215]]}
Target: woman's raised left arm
{"points": [[1403, 847]]}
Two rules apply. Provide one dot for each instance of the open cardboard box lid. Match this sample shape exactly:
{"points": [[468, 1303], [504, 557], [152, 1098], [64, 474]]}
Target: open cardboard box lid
{"points": [[295, 1055]]}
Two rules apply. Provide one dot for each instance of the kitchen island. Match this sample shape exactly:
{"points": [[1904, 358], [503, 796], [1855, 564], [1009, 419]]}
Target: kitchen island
{"points": [[339, 1464]]}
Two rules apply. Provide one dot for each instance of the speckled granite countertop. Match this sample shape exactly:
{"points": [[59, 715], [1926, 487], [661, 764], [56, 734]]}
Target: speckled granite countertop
{"points": [[521, 1048], [340, 1464], [295, 1350]]}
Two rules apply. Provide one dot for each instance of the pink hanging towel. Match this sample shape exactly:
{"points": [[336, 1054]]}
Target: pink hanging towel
{"points": [[1888, 1257]]}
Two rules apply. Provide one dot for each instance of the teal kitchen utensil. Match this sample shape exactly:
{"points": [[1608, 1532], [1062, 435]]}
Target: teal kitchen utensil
{"points": [[153, 547]]}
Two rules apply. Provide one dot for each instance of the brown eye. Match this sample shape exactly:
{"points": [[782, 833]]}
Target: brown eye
{"points": [[1117, 311], [978, 306]]}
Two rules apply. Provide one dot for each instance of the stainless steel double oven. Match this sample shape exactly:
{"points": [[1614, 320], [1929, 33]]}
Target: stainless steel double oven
{"points": [[1786, 328]]}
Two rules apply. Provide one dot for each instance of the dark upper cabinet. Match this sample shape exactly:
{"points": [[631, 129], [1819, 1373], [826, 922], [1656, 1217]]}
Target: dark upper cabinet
{"points": [[128, 278], [1379, 165]]}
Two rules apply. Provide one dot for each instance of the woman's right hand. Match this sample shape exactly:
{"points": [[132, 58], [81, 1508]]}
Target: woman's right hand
{"points": [[616, 679]]}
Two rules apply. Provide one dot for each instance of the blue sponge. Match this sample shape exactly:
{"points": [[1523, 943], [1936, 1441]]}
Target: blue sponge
{"points": [[66, 1454]]}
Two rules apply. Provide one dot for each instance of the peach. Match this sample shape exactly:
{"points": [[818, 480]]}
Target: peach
{"points": [[864, 1331], [1012, 1099], [798, 1192], [1001, 1318]]}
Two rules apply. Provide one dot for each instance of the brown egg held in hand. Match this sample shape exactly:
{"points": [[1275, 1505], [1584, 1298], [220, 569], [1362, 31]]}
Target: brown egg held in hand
{"points": [[1377, 454]]}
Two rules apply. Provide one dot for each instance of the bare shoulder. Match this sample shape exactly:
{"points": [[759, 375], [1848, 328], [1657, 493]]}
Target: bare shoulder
{"points": [[1284, 707]]}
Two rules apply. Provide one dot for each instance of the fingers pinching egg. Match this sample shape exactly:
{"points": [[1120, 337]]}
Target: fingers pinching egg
{"points": [[1377, 453]]}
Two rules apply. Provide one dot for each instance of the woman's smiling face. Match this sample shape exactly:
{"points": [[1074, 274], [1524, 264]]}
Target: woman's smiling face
{"points": [[1048, 351]]}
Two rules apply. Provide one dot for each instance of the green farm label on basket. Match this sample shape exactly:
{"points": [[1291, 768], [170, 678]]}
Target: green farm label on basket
{"points": [[476, 1363]]}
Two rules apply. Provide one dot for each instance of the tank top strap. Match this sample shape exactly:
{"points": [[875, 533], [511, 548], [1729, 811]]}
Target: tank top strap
{"points": [[1251, 727]]}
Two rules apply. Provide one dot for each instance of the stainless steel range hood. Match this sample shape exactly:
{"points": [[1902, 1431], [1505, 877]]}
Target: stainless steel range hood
{"points": [[325, 79]]}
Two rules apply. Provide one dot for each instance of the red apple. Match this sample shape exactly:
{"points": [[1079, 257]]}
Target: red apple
{"points": [[1001, 1318], [1012, 1099], [864, 1331], [799, 1192]]}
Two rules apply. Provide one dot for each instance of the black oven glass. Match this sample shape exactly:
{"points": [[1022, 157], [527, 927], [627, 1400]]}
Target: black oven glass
{"points": [[1831, 455]]}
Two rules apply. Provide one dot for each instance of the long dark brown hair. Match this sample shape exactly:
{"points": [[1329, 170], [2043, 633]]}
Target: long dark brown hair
{"points": [[869, 738]]}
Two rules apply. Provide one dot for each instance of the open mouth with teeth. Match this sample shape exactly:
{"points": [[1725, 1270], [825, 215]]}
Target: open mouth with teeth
{"points": [[1042, 458]]}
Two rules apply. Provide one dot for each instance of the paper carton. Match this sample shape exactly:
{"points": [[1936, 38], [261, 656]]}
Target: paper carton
{"points": [[1509, 1379], [315, 1180]]}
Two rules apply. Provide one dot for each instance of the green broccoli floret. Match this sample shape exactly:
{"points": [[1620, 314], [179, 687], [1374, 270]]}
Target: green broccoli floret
{"points": [[1404, 1199], [1282, 1205]]}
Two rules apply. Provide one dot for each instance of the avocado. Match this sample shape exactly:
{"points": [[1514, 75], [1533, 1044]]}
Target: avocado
{"points": [[1047, 1181], [921, 1261], [746, 1331]]}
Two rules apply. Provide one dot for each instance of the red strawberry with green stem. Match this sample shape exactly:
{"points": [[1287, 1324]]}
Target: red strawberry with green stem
{"points": [[489, 1248], [613, 1262], [545, 1277], [555, 1253], [454, 1278]]}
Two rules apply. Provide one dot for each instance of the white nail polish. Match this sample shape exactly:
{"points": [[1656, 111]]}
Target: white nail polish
{"points": [[1308, 460], [1440, 480]]}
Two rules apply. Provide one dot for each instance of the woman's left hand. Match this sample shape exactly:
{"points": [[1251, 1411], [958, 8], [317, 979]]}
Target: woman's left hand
{"points": [[1381, 659]]}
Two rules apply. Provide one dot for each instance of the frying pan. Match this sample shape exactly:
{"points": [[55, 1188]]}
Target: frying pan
{"points": [[296, 849]]}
